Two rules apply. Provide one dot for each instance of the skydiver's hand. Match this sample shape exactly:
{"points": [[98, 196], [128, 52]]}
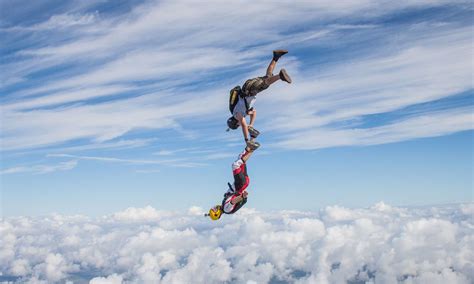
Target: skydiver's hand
{"points": [[244, 194]]}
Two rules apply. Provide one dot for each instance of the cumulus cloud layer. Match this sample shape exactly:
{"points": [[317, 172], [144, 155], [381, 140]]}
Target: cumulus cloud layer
{"points": [[382, 243]]}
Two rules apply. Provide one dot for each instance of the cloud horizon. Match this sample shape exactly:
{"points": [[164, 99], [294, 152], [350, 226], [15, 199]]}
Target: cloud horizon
{"points": [[380, 243]]}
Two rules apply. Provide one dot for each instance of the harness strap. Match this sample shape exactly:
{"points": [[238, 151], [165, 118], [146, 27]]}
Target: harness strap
{"points": [[244, 96]]}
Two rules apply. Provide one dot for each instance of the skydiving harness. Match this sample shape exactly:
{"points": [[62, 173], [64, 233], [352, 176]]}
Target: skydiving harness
{"points": [[230, 193], [235, 94]]}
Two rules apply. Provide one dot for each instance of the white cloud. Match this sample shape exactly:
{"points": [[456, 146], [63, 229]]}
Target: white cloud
{"points": [[119, 144], [119, 76], [112, 159], [55, 22], [101, 122], [152, 171], [381, 244], [147, 213], [55, 267], [52, 99], [427, 125], [325, 109], [196, 210], [468, 209], [41, 169], [111, 279], [177, 162]]}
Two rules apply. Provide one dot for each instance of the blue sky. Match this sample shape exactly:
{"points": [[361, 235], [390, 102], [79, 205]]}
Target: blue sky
{"points": [[107, 105]]}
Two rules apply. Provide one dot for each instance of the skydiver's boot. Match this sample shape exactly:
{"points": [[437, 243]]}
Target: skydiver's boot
{"points": [[253, 145], [284, 76], [253, 132], [279, 53]]}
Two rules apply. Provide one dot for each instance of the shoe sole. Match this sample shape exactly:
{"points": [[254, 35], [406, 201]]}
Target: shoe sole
{"points": [[280, 51], [284, 76]]}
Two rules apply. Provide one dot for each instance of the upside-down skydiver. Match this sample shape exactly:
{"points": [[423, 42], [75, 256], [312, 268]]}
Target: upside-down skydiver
{"points": [[242, 100], [236, 195]]}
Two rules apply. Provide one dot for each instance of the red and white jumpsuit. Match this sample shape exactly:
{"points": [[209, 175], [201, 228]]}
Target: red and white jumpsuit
{"points": [[241, 182]]}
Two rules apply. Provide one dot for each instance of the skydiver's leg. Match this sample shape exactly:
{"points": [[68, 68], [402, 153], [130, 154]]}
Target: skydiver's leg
{"points": [[248, 153], [239, 171], [270, 67], [270, 78], [276, 55], [282, 75], [253, 86]]}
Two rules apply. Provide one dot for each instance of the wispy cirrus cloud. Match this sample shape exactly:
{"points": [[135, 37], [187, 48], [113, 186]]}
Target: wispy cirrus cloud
{"points": [[64, 97], [424, 125], [425, 70], [153, 68], [99, 122], [41, 169], [120, 144], [176, 162], [114, 160], [57, 22]]}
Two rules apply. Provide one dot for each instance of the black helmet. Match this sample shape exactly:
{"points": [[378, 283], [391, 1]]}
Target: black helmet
{"points": [[232, 123]]}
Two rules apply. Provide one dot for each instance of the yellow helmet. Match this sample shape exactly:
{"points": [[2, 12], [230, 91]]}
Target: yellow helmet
{"points": [[215, 212]]}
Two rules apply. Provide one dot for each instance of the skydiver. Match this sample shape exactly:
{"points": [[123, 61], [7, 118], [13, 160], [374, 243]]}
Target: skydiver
{"points": [[247, 97], [236, 195]]}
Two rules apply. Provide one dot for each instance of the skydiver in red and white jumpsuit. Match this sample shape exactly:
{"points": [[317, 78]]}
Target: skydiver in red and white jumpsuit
{"points": [[236, 195]]}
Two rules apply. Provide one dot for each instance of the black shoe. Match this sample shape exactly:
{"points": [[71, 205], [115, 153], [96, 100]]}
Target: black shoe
{"points": [[284, 76], [279, 53], [253, 132]]}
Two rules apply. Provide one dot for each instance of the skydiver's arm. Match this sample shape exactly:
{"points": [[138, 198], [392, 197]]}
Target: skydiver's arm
{"points": [[253, 114], [239, 198], [243, 124], [236, 200]]}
